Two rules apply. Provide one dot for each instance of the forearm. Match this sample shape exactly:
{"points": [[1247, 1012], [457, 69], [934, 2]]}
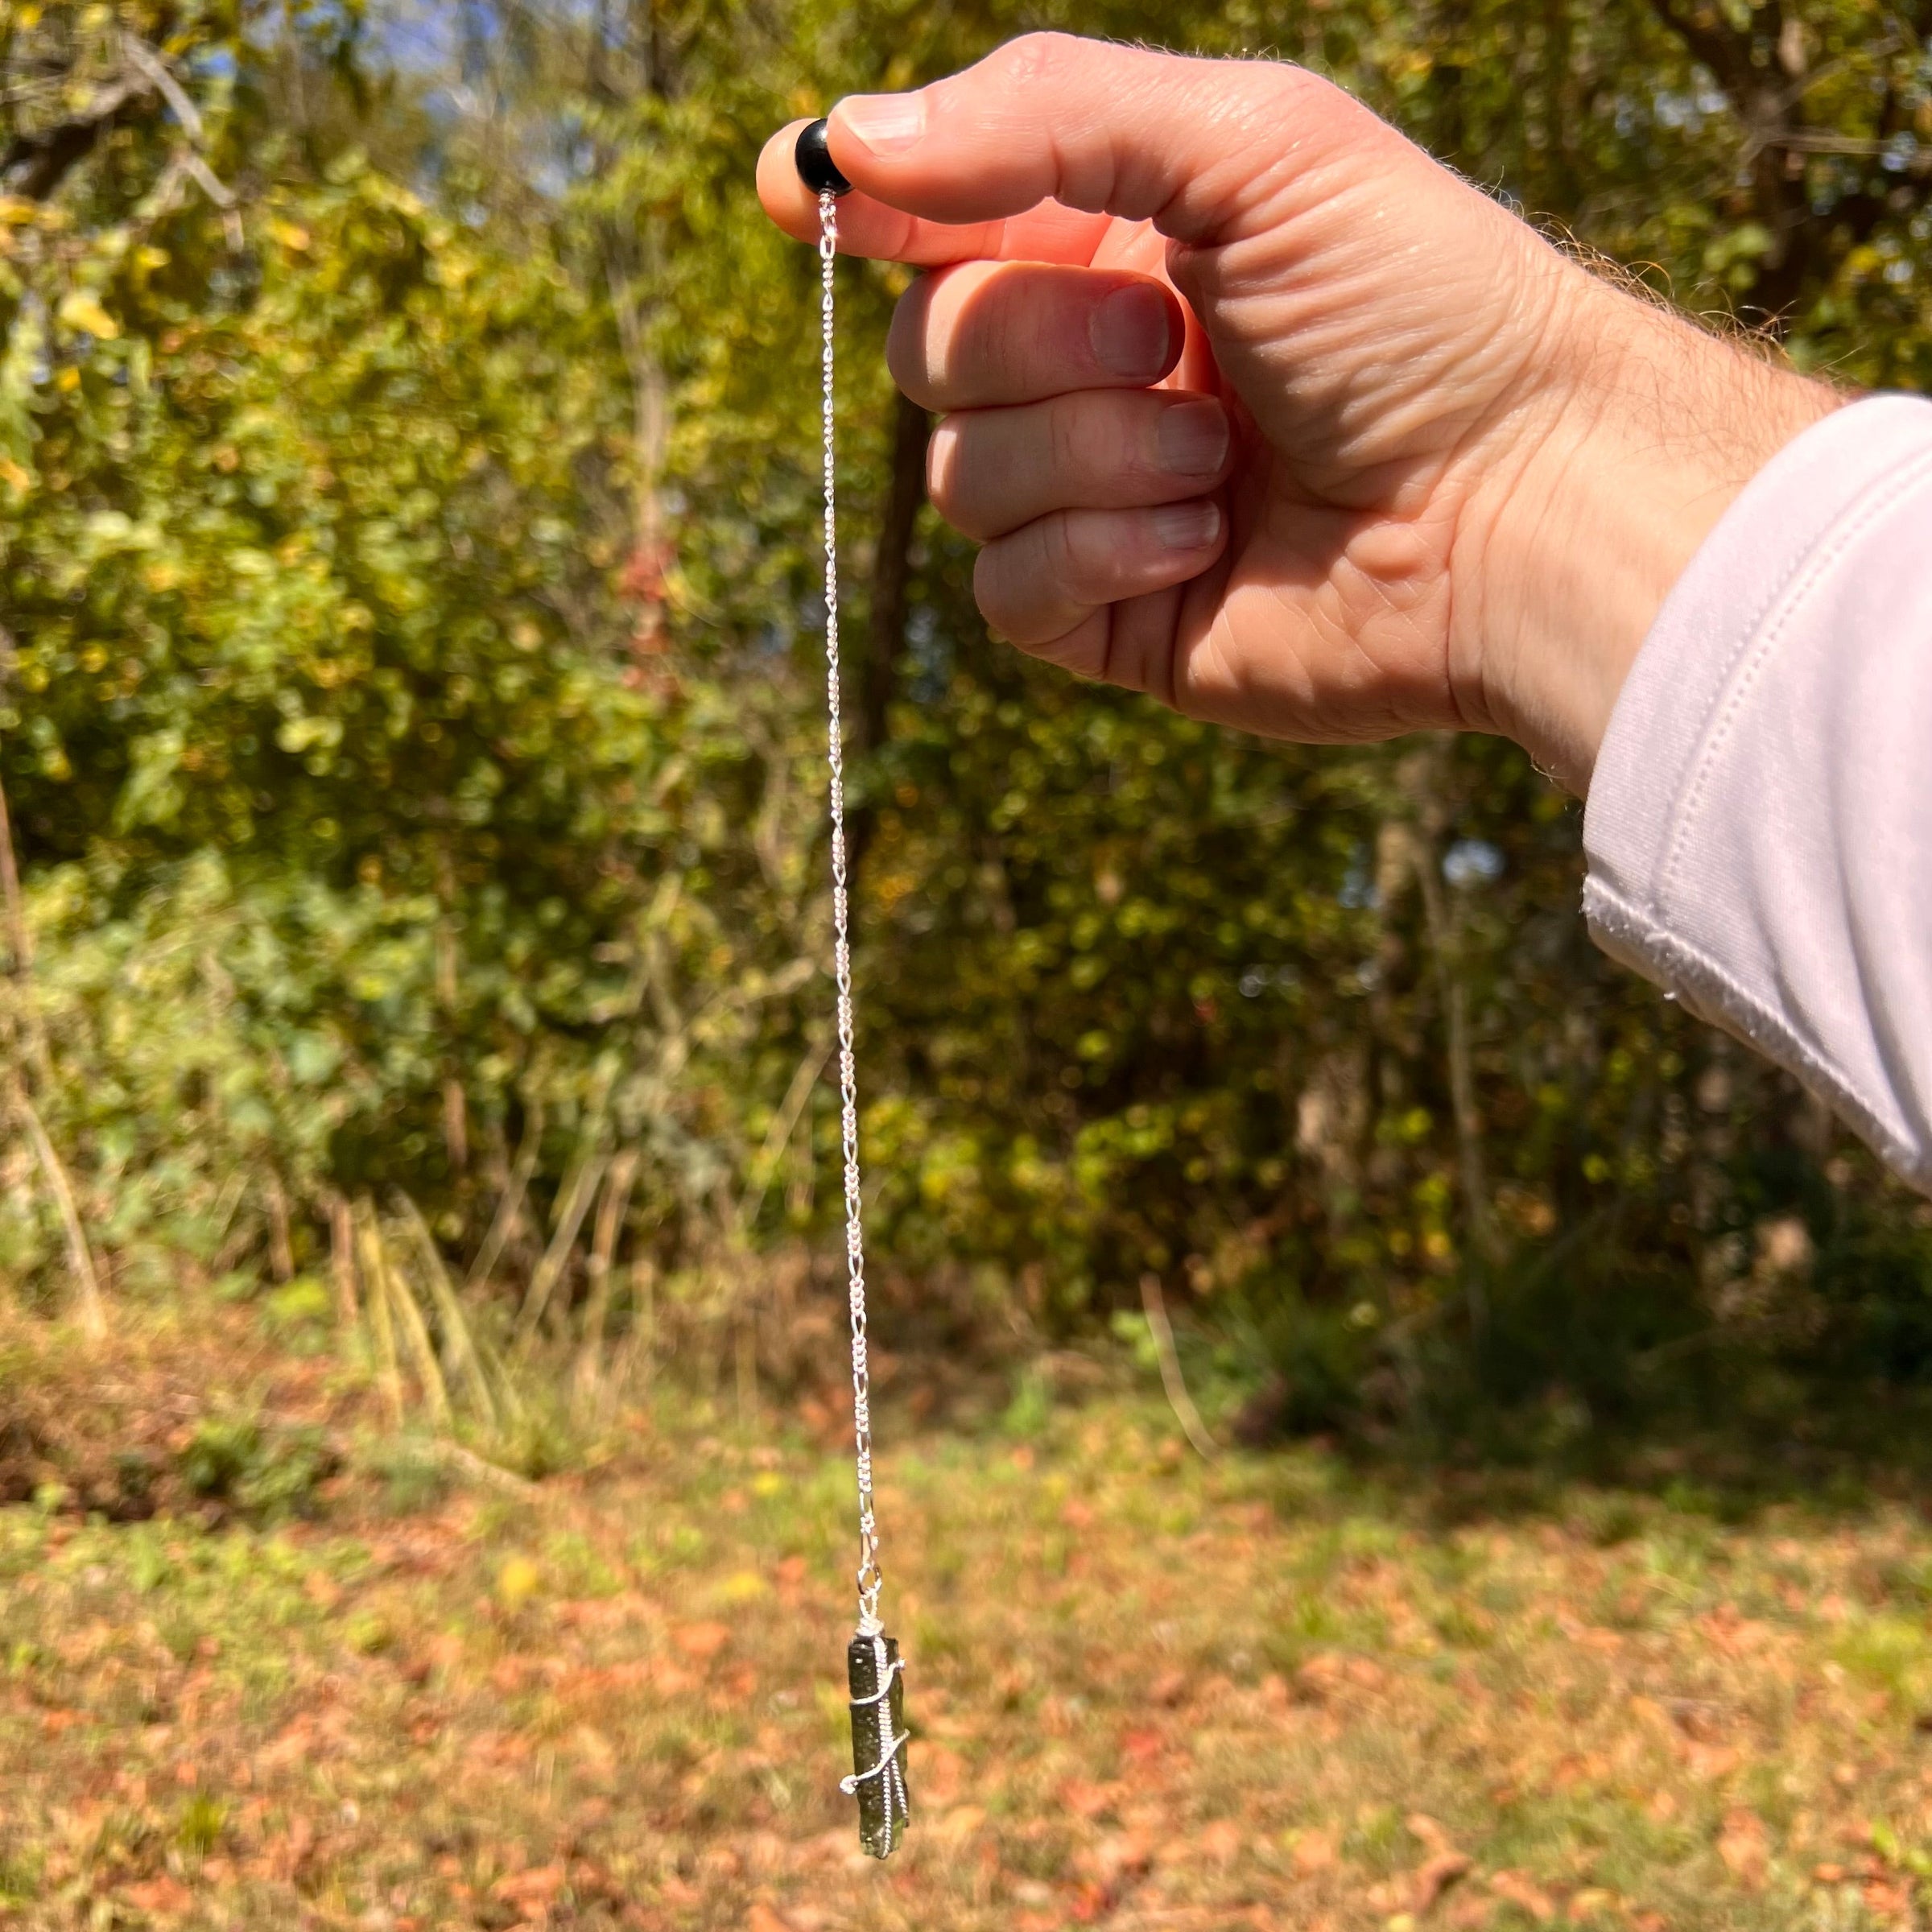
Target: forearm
{"points": [[1637, 434]]}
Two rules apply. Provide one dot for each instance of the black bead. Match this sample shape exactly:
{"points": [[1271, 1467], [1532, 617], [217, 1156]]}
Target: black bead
{"points": [[816, 168]]}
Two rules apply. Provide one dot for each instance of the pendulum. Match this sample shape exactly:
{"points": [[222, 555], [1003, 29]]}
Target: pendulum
{"points": [[873, 1671], [873, 1664]]}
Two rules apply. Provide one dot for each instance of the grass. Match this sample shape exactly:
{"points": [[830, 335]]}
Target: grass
{"points": [[1148, 1692]]}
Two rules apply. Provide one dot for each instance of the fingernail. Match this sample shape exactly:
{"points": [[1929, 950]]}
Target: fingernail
{"points": [[1128, 332], [888, 124], [1187, 526], [1191, 440]]}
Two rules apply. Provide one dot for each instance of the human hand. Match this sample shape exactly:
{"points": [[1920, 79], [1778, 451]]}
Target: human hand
{"points": [[1256, 408]]}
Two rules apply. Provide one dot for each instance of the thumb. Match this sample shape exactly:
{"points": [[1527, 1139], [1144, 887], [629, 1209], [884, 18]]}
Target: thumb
{"points": [[1205, 150]]}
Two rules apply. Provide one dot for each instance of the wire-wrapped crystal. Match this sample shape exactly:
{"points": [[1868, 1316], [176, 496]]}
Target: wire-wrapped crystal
{"points": [[878, 1742]]}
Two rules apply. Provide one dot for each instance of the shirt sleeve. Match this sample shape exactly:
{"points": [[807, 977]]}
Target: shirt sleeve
{"points": [[1759, 830]]}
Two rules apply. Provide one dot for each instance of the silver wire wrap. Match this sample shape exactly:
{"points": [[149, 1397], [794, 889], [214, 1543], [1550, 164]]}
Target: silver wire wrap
{"points": [[871, 1578], [893, 1670], [850, 1784]]}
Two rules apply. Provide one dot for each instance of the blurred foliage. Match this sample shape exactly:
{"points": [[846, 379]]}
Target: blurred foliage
{"points": [[410, 725]]}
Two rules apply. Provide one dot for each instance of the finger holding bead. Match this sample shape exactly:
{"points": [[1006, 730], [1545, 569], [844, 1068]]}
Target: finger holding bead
{"points": [[1049, 233]]}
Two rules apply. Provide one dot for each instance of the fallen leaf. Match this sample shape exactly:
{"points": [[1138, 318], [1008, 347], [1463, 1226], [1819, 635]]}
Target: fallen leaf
{"points": [[1436, 1876], [163, 1894], [958, 1824], [1313, 1851], [1169, 1688], [1089, 1903], [1744, 1845], [701, 1641], [536, 1887], [1087, 1800], [1524, 1892], [1221, 1840], [518, 1579], [1431, 1832], [1711, 1762]]}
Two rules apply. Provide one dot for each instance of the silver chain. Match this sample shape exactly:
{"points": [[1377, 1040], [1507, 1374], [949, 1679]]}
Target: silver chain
{"points": [[871, 1578]]}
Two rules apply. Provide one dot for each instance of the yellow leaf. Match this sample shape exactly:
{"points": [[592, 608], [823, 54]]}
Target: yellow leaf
{"points": [[79, 310], [290, 234], [744, 1587], [15, 478], [518, 1581], [69, 379]]}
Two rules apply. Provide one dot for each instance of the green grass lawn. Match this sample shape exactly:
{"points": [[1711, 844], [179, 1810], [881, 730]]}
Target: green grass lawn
{"points": [[1148, 1692]]}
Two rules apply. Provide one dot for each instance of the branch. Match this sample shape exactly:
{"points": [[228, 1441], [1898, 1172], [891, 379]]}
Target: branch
{"points": [[1724, 53], [35, 165], [19, 941], [93, 1311], [1178, 1400], [891, 580], [222, 195], [157, 70]]}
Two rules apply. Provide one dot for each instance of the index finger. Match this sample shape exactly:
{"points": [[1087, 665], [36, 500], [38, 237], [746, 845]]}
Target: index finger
{"points": [[1047, 233]]}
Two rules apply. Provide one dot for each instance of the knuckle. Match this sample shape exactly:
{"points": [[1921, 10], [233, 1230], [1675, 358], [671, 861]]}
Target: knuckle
{"points": [[991, 588], [1069, 437], [943, 463], [1015, 588], [1039, 55], [1066, 549], [1281, 87], [949, 459], [908, 344]]}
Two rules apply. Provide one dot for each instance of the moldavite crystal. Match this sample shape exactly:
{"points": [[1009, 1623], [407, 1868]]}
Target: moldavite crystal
{"points": [[878, 1780]]}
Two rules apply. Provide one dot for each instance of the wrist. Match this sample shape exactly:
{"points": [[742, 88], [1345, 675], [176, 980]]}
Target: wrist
{"points": [[1640, 436]]}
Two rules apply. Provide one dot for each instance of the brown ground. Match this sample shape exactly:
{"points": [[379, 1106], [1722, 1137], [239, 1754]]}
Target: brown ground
{"points": [[1147, 1692]]}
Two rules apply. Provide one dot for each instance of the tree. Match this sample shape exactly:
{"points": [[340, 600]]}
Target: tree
{"points": [[413, 718]]}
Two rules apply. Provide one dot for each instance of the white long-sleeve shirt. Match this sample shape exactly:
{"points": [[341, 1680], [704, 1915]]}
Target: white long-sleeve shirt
{"points": [[1759, 829]]}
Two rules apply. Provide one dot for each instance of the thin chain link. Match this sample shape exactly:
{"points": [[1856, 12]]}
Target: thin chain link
{"points": [[871, 1578]]}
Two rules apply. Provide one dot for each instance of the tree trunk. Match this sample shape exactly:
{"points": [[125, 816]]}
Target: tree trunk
{"points": [[891, 581]]}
